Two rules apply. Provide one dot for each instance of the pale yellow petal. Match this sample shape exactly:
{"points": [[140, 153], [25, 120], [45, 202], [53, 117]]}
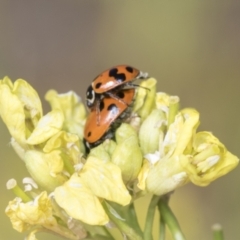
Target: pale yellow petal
{"points": [[187, 130], [143, 175], [80, 203], [72, 108], [41, 167], [145, 99], [7, 81], [70, 103], [61, 139], [12, 113], [165, 176], [36, 212], [162, 101], [151, 130], [210, 160], [30, 100], [101, 153], [48, 125], [105, 180], [67, 143], [11, 212]]}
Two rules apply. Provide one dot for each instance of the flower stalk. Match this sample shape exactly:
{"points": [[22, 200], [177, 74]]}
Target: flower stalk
{"points": [[127, 231], [169, 219], [162, 228], [149, 219]]}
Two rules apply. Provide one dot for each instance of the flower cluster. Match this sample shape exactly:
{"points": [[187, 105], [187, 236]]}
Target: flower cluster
{"points": [[75, 195]]}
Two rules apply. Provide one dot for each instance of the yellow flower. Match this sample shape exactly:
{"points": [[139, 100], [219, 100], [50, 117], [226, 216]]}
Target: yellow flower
{"points": [[79, 196], [25, 215], [72, 108], [37, 216], [209, 160], [20, 108], [163, 172], [21, 111]]}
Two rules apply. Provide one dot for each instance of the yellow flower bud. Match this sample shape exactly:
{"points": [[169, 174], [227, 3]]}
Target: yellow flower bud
{"points": [[127, 154], [166, 176], [151, 131], [101, 152], [145, 99], [72, 108], [20, 108], [45, 168]]}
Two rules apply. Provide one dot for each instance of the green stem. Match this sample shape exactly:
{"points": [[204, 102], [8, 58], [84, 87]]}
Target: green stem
{"points": [[162, 224], [217, 232], [129, 211], [162, 229], [97, 231], [170, 219], [107, 234], [122, 225], [149, 219]]}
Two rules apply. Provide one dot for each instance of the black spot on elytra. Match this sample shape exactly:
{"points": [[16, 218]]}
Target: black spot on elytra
{"points": [[89, 134], [120, 77], [113, 109], [129, 69], [101, 106], [120, 94], [98, 85]]}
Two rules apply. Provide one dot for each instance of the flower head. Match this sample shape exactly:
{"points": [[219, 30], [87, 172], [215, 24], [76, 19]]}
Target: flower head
{"points": [[156, 150]]}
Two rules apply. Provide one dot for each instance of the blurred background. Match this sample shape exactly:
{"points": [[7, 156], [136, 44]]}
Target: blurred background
{"points": [[191, 47]]}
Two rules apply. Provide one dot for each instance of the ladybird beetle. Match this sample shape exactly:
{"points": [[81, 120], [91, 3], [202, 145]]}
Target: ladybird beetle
{"points": [[120, 76], [112, 112]]}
